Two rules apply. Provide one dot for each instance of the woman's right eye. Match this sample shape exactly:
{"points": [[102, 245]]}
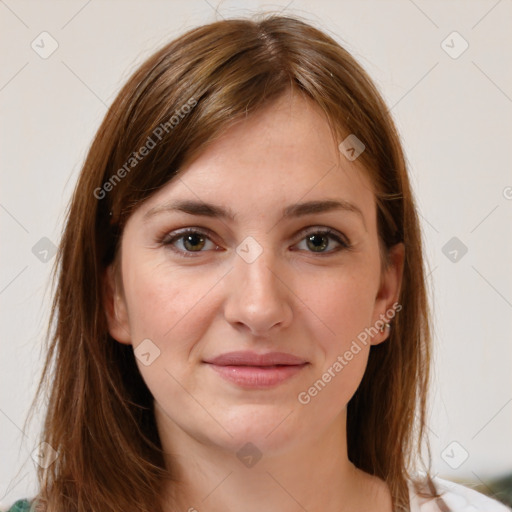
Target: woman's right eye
{"points": [[190, 240]]}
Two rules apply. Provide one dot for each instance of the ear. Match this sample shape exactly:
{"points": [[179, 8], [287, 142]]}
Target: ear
{"points": [[389, 292], [115, 306]]}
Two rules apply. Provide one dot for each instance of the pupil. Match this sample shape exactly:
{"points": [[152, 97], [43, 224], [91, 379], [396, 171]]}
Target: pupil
{"points": [[321, 245], [189, 240]]}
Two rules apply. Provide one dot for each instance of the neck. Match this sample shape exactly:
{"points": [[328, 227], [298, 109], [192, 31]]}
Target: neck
{"points": [[314, 476]]}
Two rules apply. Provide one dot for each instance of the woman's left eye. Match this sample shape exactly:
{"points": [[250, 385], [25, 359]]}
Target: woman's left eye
{"points": [[318, 240], [194, 241]]}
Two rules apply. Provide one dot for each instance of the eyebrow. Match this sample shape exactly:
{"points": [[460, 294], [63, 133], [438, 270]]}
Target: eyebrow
{"points": [[295, 210]]}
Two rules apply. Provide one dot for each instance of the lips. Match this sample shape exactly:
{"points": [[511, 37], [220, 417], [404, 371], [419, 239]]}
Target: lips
{"points": [[259, 371], [253, 359]]}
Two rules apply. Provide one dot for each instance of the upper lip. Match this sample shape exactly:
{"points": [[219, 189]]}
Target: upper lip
{"points": [[246, 358]]}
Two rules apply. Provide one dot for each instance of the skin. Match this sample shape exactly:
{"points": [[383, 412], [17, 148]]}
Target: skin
{"points": [[290, 299]]}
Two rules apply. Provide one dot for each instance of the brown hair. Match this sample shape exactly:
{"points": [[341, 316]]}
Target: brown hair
{"points": [[100, 413]]}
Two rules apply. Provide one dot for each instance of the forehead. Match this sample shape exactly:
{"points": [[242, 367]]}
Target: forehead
{"points": [[282, 154]]}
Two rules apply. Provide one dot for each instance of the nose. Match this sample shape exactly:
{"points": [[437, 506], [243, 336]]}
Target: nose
{"points": [[258, 296]]}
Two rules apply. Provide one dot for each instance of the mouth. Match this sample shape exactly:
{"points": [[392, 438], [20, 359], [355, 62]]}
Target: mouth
{"points": [[252, 370]]}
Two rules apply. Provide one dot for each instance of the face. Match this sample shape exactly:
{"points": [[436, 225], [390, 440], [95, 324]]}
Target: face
{"points": [[245, 265]]}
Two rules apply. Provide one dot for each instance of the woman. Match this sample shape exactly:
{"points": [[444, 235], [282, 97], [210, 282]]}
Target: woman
{"points": [[241, 321]]}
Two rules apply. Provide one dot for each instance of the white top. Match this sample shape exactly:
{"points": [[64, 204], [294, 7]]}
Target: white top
{"points": [[456, 497]]}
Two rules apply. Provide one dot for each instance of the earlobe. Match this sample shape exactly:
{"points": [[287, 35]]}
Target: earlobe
{"points": [[115, 307]]}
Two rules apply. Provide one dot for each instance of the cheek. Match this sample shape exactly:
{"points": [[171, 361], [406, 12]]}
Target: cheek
{"points": [[345, 304], [169, 306], [153, 306], [345, 310]]}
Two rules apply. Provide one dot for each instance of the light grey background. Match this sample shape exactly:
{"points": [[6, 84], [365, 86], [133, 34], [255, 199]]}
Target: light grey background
{"points": [[454, 115]]}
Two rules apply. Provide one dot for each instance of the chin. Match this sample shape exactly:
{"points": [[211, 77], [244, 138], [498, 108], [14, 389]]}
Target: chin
{"points": [[270, 429]]}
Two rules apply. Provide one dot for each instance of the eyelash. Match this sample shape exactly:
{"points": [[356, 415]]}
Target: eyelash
{"points": [[170, 238]]}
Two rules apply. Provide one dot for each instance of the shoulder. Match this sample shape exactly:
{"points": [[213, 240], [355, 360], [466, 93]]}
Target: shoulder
{"points": [[456, 498], [19, 506]]}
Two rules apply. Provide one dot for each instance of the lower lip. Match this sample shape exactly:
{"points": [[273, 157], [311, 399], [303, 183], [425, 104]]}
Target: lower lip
{"points": [[257, 376]]}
